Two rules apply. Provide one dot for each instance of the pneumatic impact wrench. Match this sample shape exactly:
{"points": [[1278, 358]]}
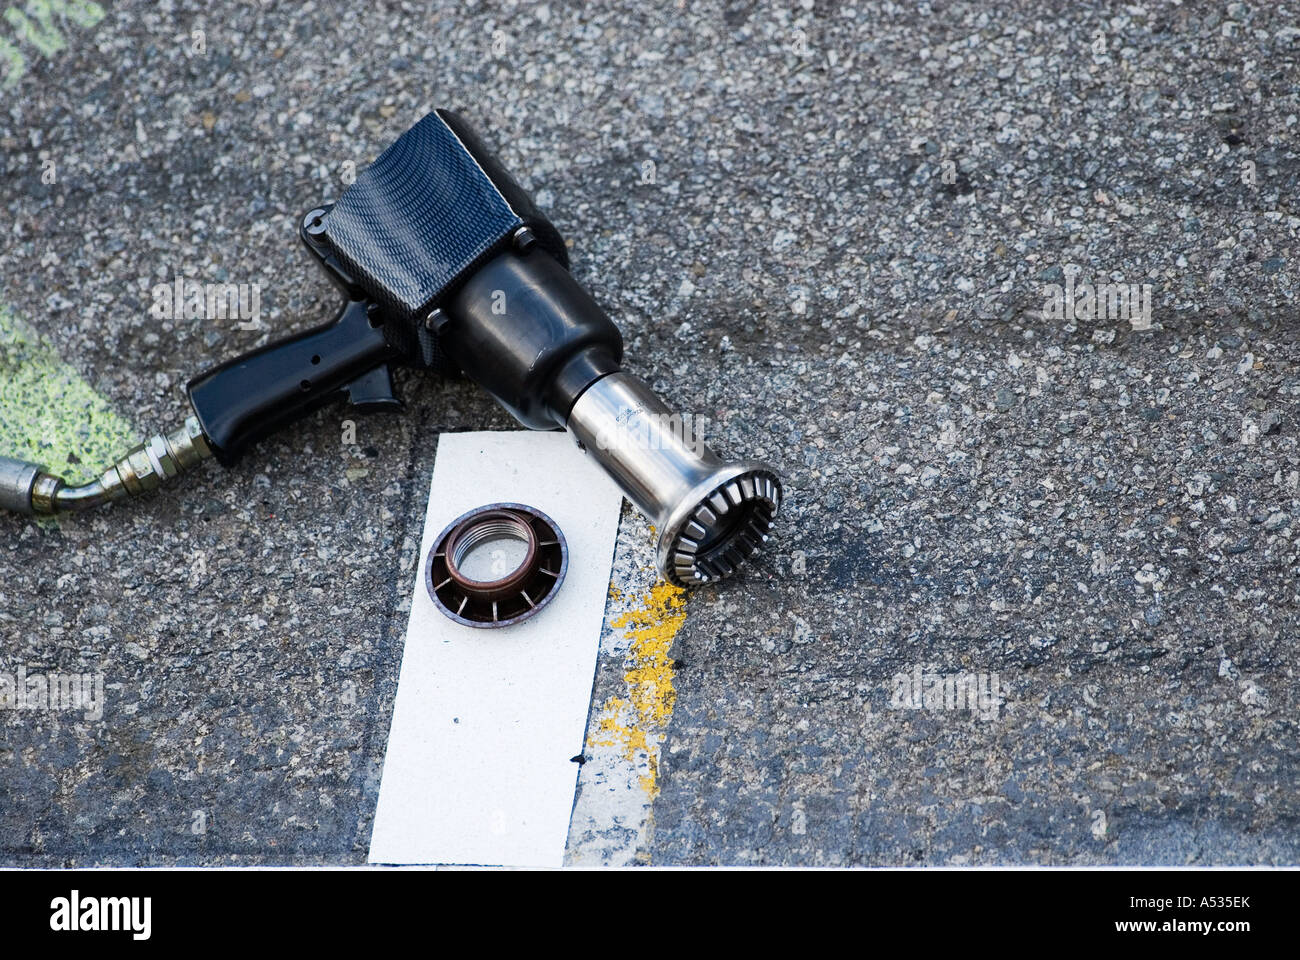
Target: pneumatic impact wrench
{"points": [[446, 265]]}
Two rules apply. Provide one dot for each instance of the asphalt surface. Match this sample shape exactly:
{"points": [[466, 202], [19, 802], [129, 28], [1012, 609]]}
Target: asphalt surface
{"points": [[832, 232]]}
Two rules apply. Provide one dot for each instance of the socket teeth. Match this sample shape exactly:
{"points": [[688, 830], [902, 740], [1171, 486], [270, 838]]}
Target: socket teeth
{"points": [[727, 528]]}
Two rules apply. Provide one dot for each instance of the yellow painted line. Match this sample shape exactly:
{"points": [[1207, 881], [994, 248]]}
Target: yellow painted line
{"points": [[636, 723], [48, 413]]}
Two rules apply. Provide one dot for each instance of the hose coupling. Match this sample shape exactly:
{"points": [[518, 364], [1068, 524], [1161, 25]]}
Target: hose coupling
{"points": [[29, 488]]}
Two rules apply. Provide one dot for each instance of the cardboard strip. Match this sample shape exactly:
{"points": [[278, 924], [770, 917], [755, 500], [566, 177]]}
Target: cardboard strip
{"points": [[479, 764]]}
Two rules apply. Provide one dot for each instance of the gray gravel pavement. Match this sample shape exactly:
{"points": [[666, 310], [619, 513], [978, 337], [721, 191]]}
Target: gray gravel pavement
{"points": [[837, 232]]}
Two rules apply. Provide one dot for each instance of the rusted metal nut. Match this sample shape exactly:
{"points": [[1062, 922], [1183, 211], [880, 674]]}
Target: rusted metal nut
{"points": [[517, 595]]}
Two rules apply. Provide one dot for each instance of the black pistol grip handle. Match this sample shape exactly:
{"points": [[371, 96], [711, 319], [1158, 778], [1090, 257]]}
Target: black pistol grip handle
{"points": [[251, 396]]}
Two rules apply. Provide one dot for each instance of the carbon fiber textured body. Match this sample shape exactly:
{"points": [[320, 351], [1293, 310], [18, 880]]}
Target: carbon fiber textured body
{"points": [[433, 206]]}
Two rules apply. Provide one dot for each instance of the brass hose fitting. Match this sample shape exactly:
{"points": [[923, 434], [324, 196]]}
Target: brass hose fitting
{"points": [[29, 488]]}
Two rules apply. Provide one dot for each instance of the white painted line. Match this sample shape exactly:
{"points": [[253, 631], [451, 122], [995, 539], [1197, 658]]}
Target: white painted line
{"points": [[478, 768]]}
